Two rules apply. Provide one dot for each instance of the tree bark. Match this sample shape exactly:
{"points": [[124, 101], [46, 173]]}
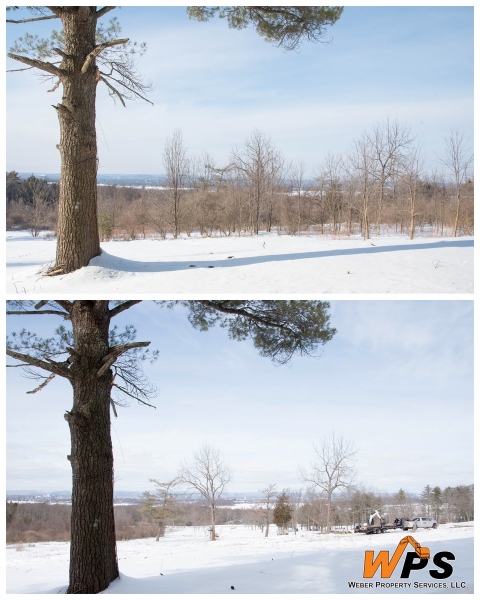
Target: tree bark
{"points": [[77, 229], [93, 557], [212, 511]]}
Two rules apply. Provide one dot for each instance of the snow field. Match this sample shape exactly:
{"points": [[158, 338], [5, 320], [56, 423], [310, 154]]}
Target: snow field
{"points": [[267, 263], [185, 561]]}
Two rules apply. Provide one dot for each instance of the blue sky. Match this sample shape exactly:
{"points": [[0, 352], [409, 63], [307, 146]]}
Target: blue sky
{"points": [[397, 379], [412, 64]]}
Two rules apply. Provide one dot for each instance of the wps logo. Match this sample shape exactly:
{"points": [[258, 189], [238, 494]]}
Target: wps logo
{"points": [[414, 561]]}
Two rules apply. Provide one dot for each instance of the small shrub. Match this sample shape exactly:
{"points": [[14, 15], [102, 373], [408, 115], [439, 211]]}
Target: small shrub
{"points": [[105, 227]]}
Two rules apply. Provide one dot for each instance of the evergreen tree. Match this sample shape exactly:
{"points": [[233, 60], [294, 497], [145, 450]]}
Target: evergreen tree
{"points": [[160, 506], [283, 511], [437, 499], [13, 186], [427, 498], [400, 498]]}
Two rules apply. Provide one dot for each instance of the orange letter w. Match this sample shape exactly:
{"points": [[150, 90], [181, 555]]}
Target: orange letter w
{"points": [[386, 567]]}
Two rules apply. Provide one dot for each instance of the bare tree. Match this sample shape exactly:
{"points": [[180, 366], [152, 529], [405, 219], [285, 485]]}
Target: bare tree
{"points": [[457, 159], [331, 176], [269, 492], [360, 165], [313, 510], [177, 167], [332, 469], [297, 179], [410, 177], [260, 165], [296, 501], [388, 143], [208, 475], [39, 209]]}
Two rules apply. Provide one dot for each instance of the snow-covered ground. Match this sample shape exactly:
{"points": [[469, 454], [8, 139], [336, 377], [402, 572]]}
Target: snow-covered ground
{"points": [[267, 263], [185, 561]]}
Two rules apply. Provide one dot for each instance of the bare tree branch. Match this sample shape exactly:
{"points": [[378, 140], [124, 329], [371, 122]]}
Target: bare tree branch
{"points": [[114, 90], [116, 352], [56, 86], [121, 307], [122, 389], [18, 70], [51, 366], [42, 385], [36, 312], [103, 11], [61, 53], [123, 84], [65, 304], [44, 18], [96, 51], [37, 64], [59, 10], [112, 403]]}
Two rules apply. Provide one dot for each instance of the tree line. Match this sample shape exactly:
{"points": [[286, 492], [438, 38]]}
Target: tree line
{"points": [[331, 497], [29, 523], [289, 509], [31, 203], [379, 185]]}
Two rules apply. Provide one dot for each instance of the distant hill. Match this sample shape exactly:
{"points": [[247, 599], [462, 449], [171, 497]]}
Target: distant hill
{"points": [[108, 179]]}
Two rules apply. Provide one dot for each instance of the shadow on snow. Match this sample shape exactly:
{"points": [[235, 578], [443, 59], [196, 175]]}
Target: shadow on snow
{"points": [[109, 261]]}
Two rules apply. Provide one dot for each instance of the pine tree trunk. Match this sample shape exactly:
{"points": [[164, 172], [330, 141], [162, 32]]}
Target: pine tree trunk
{"points": [[93, 558], [77, 229]]}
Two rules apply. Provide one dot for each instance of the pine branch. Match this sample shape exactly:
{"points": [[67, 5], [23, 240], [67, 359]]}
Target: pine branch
{"points": [[220, 307]]}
